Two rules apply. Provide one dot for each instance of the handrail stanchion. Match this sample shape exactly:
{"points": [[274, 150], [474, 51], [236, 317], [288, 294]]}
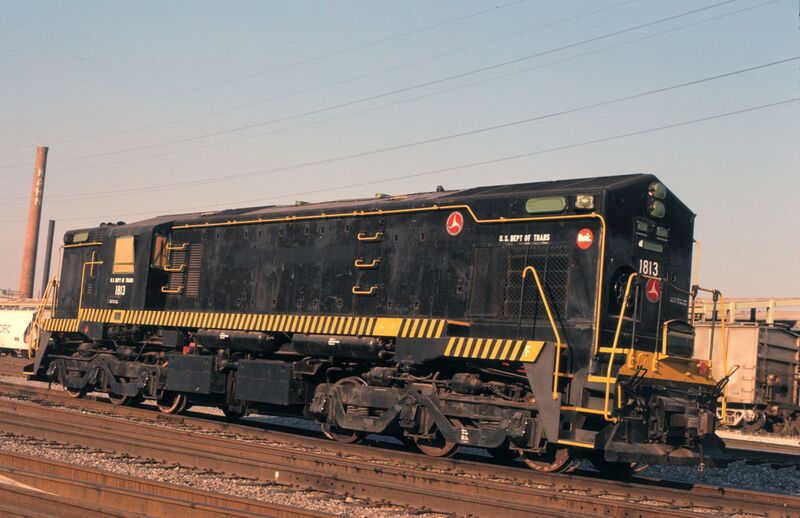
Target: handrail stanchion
{"points": [[552, 324], [606, 412]]}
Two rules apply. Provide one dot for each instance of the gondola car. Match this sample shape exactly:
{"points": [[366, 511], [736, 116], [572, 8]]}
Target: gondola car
{"points": [[543, 320]]}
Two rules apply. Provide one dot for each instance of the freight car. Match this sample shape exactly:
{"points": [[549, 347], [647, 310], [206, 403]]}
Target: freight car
{"points": [[16, 321], [762, 359], [543, 320]]}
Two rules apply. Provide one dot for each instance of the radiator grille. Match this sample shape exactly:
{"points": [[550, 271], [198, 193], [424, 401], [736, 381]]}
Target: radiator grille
{"points": [[195, 267], [176, 259], [497, 289]]}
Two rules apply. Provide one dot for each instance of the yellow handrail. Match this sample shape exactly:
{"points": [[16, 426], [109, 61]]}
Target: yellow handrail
{"points": [[36, 328], [606, 412], [83, 281], [696, 276], [552, 324], [365, 237], [724, 358], [358, 291], [363, 265]]}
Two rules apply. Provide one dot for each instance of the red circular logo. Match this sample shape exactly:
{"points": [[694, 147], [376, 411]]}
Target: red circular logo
{"points": [[653, 290], [584, 239], [455, 222]]}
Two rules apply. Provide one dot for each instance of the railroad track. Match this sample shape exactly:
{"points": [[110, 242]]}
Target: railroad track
{"points": [[12, 365], [31, 484], [449, 485]]}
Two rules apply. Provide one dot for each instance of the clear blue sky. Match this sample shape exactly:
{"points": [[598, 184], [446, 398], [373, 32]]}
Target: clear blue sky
{"points": [[141, 96]]}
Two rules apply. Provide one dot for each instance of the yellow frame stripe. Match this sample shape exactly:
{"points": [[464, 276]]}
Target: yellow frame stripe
{"points": [[514, 355], [504, 354], [468, 347], [459, 344], [414, 326]]}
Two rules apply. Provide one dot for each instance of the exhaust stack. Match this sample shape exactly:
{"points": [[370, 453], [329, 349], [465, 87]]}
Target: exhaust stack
{"points": [[34, 219]]}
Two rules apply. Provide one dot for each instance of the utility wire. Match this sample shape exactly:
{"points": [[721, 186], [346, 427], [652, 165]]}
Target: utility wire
{"points": [[82, 169], [393, 92], [343, 81], [478, 163], [282, 67], [301, 165]]}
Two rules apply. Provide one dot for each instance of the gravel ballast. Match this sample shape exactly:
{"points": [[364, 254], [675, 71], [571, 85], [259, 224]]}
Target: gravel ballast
{"points": [[757, 477]]}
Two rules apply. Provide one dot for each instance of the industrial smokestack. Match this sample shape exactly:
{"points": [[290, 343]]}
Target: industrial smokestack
{"points": [[34, 218], [48, 254]]}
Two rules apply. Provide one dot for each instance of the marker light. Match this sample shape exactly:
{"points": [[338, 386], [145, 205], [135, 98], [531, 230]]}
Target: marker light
{"points": [[657, 190], [656, 209], [584, 201]]}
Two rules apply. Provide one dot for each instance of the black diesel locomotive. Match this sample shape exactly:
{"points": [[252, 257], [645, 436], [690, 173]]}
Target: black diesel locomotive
{"points": [[543, 320]]}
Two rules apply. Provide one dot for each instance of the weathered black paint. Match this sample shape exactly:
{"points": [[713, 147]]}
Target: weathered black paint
{"points": [[393, 257]]}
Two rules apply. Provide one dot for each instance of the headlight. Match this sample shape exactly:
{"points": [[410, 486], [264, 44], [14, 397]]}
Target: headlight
{"points": [[656, 209]]}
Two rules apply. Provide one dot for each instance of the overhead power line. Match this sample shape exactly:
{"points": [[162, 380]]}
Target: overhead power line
{"points": [[393, 92], [344, 81], [279, 68], [472, 164], [301, 165], [83, 168]]}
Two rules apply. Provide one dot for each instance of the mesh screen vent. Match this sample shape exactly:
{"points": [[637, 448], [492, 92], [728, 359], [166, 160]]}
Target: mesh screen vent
{"points": [[497, 289], [487, 284], [552, 264], [195, 267]]}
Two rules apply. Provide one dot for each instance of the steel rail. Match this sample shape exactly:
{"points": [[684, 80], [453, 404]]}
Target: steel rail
{"points": [[361, 479], [469, 465], [420, 486], [126, 493], [12, 366], [641, 488], [681, 494], [16, 501]]}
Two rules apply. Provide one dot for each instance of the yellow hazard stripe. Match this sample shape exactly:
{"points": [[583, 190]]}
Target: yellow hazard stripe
{"points": [[421, 328]]}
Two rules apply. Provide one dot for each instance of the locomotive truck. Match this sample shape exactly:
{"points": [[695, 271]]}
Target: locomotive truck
{"points": [[544, 320]]}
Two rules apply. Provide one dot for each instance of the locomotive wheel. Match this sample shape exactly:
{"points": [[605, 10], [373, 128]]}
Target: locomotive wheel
{"points": [[119, 400], [616, 469], [503, 453], [436, 447], [171, 403], [555, 460], [776, 425], [75, 393], [233, 415], [756, 424], [341, 434]]}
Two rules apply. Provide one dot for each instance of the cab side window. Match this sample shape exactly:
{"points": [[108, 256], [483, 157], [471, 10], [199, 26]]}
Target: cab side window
{"points": [[160, 251], [123, 255]]}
